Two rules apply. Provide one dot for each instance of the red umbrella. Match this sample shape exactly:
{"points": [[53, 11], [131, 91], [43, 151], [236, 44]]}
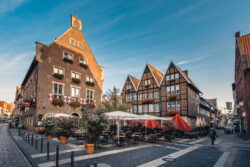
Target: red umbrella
{"points": [[180, 124], [131, 123], [152, 124]]}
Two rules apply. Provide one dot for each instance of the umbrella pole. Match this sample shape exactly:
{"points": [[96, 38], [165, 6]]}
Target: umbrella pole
{"points": [[118, 130]]}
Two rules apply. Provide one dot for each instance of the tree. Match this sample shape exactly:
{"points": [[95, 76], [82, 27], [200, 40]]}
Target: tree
{"points": [[114, 101]]}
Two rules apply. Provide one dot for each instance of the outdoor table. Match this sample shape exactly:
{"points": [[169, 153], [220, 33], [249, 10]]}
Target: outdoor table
{"points": [[135, 138], [121, 140]]}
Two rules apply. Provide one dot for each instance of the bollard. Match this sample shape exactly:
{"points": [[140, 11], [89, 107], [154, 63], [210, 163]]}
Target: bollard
{"points": [[72, 159], [47, 150], [32, 138], [57, 156], [28, 137], [41, 144], [36, 143], [95, 164]]}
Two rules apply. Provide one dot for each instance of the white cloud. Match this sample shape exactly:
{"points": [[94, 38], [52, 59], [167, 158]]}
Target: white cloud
{"points": [[193, 60], [9, 5]]}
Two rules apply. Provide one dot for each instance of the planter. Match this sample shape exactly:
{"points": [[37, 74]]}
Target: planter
{"points": [[59, 76], [75, 104], [63, 139], [49, 137], [68, 60], [90, 83], [76, 80], [89, 148], [90, 105], [173, 112], [172, 97], [84, 65], [57, 102], [147, 101]]}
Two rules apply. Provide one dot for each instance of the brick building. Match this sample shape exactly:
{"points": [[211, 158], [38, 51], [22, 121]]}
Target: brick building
{"points": [[61, 73], [164, 94], [241, 85]]}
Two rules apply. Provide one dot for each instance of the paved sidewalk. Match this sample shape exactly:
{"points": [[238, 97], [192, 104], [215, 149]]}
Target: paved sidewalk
{"points": [[10, 155]]}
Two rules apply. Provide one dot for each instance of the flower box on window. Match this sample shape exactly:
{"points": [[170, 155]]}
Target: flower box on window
{"points": [[76, 80], [173, 112], [59, 76], [84, 65], [57, 102], [172, 97], [147, 86], [75, 104], [146, 101], [90, 105], [90, 83], [68, 60]]}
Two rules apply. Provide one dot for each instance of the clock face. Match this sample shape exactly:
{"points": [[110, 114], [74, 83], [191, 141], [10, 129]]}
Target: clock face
{"points": [[76, 23]]}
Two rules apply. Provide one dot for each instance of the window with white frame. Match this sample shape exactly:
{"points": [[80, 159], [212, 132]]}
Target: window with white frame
{"points": [[173, 105], [147, 82], [172, 89], [177, 89], [68, 56], [89, 79], [75, 92], [168, 90], [135, 108], [145, 108], [58, 70], [75, 75], [140, 97], [128, 87], [144, 96], [83, 61], [168, 106], [177, 75], [156, 95], [167, 77], [72, 42], [90, 96], [80, 45], [150, 95], [178, 105], [156, 107], [151, 107], [172, 76], [139, 108], [134, 96], [58, 90], [129, 97]]}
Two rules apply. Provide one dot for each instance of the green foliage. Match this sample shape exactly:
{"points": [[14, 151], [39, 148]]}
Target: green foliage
{"points": [[48, 124], [64, 126], [114, 101], [94, 122]]}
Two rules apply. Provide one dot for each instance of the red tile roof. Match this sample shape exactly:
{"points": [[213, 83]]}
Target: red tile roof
{"points": [[245, 43], [135, 81], [157, 74]]}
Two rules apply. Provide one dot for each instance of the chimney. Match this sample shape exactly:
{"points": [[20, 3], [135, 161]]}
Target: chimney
{"points": [[186, 72], [237, 34]]}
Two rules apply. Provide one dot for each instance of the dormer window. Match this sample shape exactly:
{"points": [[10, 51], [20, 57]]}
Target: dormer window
{"points": [[68, 57], [72, 42], [128, 87], [80, 45], [147, 82]]}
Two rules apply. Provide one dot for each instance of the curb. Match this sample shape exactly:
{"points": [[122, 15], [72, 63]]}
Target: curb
{"points": [[20, 150]]}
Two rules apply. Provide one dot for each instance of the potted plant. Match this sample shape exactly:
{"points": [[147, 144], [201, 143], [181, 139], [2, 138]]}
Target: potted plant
{"points": [[76, 80], [57, 102], [48, 125], [169, 130], [64, 127], [75, 104], [173, 112], [94, 123]]}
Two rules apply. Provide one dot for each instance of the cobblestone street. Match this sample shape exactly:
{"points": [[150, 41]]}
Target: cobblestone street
{"points": [[10, 156], [228, 151]]}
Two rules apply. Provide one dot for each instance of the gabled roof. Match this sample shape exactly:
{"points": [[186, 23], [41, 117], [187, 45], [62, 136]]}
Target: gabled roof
{"points": [[156, 73], [134, 81], [189, 81], [244, 45]]}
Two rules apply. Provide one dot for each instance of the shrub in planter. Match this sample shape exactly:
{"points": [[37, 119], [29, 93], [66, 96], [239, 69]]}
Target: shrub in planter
{"points": [[94, 124], [90, 105], [67, 60], [90, 83], [48, 125], [75, 104], [172, 112], [64, 128], [169, 130], [84, 65], [57, 102], [76, 80], [172, 97], [59, 76], [145, 101]]}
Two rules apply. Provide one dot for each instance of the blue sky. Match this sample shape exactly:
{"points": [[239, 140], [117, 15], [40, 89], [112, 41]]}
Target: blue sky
{"points": [[124, 35]]}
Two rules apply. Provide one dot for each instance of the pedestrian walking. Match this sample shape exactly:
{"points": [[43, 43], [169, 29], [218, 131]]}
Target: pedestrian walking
{"points": [[212, 134]]}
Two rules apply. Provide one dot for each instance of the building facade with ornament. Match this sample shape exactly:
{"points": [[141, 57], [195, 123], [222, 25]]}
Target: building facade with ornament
{"points": [[241, 85], [63, 77], [165, 94]]}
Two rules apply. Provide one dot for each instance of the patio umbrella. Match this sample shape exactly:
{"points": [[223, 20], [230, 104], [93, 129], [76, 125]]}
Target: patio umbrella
{"points": [[180, 124], [152, 124], [59, 115]]}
